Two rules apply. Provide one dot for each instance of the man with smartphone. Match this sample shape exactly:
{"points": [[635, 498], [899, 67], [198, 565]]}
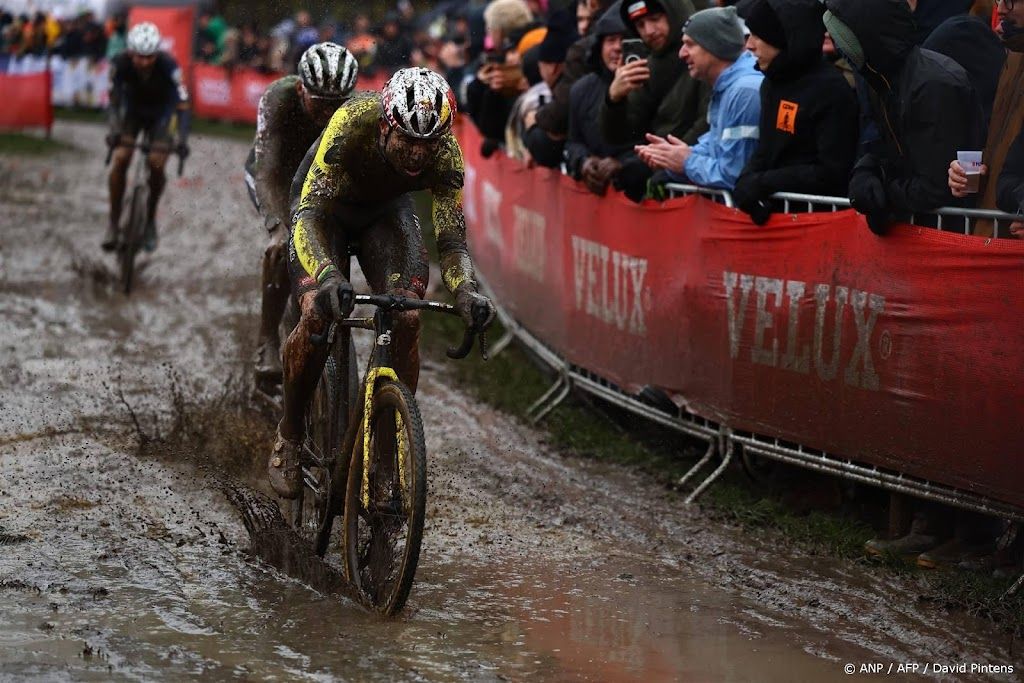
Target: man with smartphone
{"points": [[652, 92]]}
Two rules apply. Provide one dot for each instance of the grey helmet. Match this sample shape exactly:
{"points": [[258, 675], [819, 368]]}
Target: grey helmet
{"points": [[328, 70]]}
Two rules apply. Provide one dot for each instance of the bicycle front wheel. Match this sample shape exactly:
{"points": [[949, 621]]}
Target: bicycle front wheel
{"points": [[386, 500], [131, 240]]}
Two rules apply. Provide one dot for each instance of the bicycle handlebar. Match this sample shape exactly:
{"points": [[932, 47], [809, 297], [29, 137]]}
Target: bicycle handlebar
{"points": [[394, 302], [144, 148]]}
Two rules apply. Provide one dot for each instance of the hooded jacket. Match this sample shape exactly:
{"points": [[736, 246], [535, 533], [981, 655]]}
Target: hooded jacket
{"points": [[670, 102], [809, 124], [972, 44], [922, 102], [585, 138]]}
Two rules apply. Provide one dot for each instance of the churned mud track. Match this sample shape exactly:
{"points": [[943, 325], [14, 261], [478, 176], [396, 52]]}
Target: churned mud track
{"points": [[137, 565]]}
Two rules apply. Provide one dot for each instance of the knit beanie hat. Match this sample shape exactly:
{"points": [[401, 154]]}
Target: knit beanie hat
{"points": [[634, 9], [764, 23], [718, 31]]}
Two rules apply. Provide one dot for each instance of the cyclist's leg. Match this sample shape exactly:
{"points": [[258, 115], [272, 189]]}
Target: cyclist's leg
{"points": [[275, 290], [302, 365], [160, 147], [117, 179], [394, 260]]}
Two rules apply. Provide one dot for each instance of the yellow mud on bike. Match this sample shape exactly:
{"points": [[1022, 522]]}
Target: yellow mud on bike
{"points": [[364, 456]]}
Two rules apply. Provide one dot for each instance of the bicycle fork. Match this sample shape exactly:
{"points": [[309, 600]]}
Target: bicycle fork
{"points": [[381, 369]]}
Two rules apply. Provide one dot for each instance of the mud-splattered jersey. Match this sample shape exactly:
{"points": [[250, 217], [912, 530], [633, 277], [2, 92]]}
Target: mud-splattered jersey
{"points": [[284, 133], [350, 168]]}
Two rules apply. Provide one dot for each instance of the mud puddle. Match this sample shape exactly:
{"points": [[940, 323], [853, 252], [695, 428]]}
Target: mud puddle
{"points": [[534, 565]]}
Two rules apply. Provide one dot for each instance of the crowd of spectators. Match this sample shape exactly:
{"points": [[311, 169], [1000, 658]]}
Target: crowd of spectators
{"points": [[866, 99], [70, 36]]}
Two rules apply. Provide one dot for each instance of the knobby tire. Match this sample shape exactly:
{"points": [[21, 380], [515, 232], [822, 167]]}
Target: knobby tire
{"points": [[379, 565], [134, 228]]}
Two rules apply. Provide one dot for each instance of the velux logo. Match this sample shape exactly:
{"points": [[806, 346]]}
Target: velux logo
{"points": [[798, 354], [609, 285]]}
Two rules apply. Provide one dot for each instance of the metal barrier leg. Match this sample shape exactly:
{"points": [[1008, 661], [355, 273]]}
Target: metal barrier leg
{"points": [[500, 345], [567, 386], [559, 381], [714, 475], [1012, 590], [700, 463]]}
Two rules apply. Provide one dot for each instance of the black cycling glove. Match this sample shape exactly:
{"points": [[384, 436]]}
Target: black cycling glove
{"points": [[335, 297]]}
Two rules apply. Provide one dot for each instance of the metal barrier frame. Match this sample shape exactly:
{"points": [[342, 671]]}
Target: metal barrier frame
{"points": [[947, 219], [720, 437]]}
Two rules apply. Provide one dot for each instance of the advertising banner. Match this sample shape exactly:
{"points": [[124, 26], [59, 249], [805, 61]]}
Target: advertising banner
{"points": [[27, 101], [904, 351]]}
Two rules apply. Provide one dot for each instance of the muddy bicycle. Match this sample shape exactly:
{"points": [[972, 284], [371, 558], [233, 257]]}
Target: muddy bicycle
{"points": [[364, 455], [135, 209]]}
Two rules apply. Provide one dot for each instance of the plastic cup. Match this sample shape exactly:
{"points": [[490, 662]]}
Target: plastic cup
{"points": [[970, 161]]}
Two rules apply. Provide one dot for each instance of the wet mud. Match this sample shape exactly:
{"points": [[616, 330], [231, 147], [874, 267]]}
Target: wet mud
{"points": [[137, 540]]}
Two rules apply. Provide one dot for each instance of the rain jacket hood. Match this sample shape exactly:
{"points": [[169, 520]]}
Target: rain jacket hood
{"points": [[885, 29], [609, 24], [801, 21]]}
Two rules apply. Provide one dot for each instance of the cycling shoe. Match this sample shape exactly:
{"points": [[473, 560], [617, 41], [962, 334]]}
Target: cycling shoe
{"points": [[283, 468]]}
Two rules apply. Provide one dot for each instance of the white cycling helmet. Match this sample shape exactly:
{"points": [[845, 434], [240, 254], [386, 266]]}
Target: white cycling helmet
{"points": [[144, 39], [328, 70], [418, 102]]}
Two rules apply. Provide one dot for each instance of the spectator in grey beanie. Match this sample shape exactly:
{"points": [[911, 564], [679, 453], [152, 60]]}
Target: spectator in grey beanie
{"points": [[712, 48]]}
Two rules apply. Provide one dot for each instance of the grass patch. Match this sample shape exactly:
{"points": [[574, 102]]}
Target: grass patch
{"points": [[31, 145], [223, 129]]}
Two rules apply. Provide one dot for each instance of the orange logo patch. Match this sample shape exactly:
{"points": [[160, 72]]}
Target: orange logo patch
{"points": [[786, 118]]}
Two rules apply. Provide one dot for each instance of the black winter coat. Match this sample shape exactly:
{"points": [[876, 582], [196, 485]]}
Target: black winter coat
{"points": [[809, 123], [922, 102], [585, 98], [1010, 188]]}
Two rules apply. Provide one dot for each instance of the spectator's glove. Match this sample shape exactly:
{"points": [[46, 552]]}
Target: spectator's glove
{"points": [[632, 179], [596, 174], [466, 301], [335, 297], [867, 195], [183, 150], [113, 139], [749, 197]]}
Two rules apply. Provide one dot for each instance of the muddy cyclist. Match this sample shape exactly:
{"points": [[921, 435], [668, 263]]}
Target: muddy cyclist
{"points": [[146, 94], [356, 197], [292, 114]]}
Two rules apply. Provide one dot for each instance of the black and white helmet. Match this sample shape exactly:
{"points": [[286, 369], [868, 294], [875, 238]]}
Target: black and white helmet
{"points": [[418, 102], [144, 39], [328, 70]]}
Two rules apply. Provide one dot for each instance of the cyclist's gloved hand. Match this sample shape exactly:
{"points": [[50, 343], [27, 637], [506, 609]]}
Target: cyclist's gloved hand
{"points": [[335, 297], [113, 139], [468, 302]]}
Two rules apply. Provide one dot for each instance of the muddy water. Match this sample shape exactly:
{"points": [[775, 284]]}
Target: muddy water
{"points": [[534, 566]]}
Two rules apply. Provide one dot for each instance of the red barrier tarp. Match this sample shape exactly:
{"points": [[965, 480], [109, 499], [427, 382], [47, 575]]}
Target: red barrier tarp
{"points": [[904, 351], [235, 95], [28, 101]]}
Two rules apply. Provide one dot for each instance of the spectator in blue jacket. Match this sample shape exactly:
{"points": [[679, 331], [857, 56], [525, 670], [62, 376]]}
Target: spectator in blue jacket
{"points": [[713, 49]]}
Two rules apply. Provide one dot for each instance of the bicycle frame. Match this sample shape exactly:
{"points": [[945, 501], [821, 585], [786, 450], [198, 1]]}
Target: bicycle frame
{"points": [[379, 367]]}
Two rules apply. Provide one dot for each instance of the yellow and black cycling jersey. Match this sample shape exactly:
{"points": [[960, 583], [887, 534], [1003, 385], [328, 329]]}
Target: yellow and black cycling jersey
{"points": [[348, 170]]}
